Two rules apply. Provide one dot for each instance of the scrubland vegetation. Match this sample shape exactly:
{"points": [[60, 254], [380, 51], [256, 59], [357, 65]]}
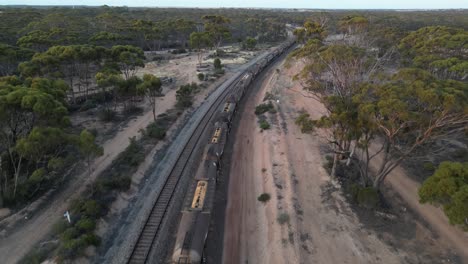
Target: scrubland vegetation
{"points": [[390, 93]]}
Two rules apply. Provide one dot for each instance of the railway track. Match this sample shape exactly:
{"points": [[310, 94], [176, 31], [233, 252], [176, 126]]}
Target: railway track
{"points": [[153, 223]]}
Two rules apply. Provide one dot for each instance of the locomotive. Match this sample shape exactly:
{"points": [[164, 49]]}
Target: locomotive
{"points": [[196, 212]]}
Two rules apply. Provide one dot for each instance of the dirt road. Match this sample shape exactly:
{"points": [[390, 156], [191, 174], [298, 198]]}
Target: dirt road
{"points": [[288, 165]]}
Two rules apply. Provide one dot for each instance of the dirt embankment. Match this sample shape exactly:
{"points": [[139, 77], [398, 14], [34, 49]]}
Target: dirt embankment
{"points": [[322, 226]]}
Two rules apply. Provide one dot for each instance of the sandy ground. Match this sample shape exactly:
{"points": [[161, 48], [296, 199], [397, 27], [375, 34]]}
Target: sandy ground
{"points": [[322, 227], [18, 241]]}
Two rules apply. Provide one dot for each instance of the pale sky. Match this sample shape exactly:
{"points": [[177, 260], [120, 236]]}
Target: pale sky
{"points": [[320, 4]]}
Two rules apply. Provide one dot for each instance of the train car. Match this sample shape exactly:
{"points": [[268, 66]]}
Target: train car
{"points": [[194, 224], [195, 221], [227, 113], [218, 140]]}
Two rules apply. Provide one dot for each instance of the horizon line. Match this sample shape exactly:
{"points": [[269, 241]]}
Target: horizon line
{"points": [[233, 7]]}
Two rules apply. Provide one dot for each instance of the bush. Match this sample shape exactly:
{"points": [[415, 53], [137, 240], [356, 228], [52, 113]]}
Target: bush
{"points": [[107, 115], [86, 224], [305, 123], [133, 155], [367, 197], [429, 166], [264, 125], [88, 104], [121, 183], [90, 240], [184, 95], [217, 64], [201, 76], [264, 197], [283, 218], [91, 208], [263, 108], [155, 131], [69, 234], [268, 96]]}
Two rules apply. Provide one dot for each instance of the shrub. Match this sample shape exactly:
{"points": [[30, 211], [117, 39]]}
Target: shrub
{"points": [[283, 218], [201, 76], [69, 234], [155, 131], [86, 224], [217, 64], [264, 125], [107, 115], [268, 96], [90, 239], [305, 123], [263, 108], [133, 155], [367, 197], [121, 183], [88, 104], [184, 95], [91, 208], [264, 197], [429, 166]]}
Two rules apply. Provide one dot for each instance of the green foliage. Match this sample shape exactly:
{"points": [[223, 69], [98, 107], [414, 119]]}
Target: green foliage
{"points": [[217, 64], [264, 197], [265, 107], [438, 49], [155, 131], [264, 125], [283, 218], [216, 27], [305, 123], [311, 30], [86, 224], [184, 95], [353, 24], [448, 187], [365, 196], [201, 76], [249, 43], [88, 147]]}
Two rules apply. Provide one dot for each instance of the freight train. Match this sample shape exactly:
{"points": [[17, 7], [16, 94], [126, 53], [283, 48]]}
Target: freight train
{"points": [[196, 211]]}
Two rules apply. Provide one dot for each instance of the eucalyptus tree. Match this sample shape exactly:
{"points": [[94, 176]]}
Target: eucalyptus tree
{"points": [[200, 41], [411, 109], [217, 27], [448, 187], [25, 108], [151, 88], [441, 50], [128, 58]]}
